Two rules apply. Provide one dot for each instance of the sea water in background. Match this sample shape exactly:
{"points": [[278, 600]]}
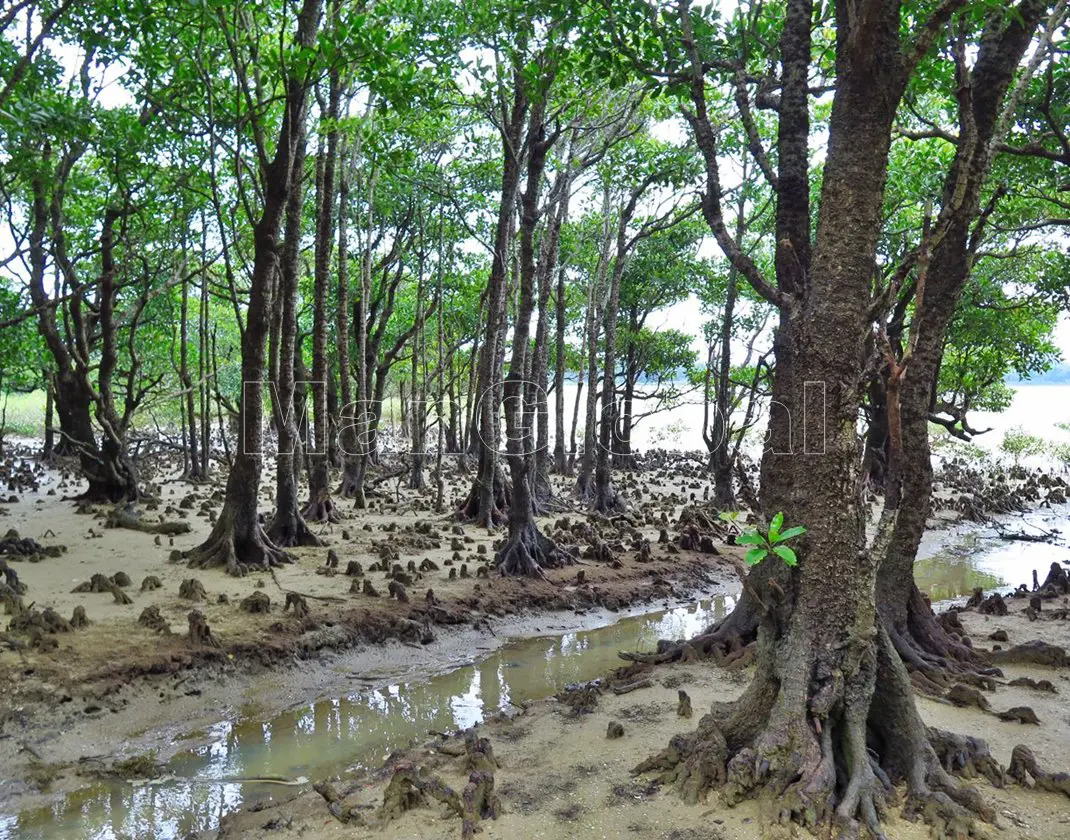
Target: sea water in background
{"points": [[1037, 409]]}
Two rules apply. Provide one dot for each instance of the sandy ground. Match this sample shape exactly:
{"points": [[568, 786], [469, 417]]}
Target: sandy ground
{"points": [[584, 788]]}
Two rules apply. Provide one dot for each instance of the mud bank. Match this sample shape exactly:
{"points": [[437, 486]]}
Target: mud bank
{"points": [[559, 775]]}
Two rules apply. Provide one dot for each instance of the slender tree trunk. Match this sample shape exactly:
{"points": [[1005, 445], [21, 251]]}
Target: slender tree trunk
{"points": [[596, 302], [488, 498], [440, 478], [320, 507], [418, 399], [238, 541], [202, 357], [526, 551], [48, 449], [560, 461], [721, 457], [928, 650], [289, 528], [189, 414], [549, 254]]}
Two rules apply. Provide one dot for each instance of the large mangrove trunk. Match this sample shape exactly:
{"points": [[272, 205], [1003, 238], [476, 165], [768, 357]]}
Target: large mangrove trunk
{"points": [[799, 737]]}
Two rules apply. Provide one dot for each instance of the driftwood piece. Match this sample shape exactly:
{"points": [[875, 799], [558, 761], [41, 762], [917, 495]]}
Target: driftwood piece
{"points": [[124, 516]]}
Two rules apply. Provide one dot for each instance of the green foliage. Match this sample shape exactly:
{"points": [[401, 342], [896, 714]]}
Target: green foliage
{"points": [[773, 541], [734, 519], [1020, 444], [1061, 452]]}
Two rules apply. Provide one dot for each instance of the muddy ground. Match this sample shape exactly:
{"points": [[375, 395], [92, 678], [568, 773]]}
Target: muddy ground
{"points": [[92, 691], [584, 786], [120, 686]]}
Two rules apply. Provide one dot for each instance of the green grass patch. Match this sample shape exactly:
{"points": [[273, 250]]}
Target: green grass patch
{"points": [[25, 414]]}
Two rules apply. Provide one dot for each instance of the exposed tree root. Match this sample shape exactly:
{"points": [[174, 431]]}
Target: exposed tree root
{"points": [[527, 552], [352, 484], [1024, 768], [936, 650], [291, 531], [124, 516], [1034, 653], [605, 500], [472, 509], [826, 749], [321, 509], [224, 548]]}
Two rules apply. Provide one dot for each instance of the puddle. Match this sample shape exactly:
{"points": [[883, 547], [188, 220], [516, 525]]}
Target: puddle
{"points": [[363, 726]]}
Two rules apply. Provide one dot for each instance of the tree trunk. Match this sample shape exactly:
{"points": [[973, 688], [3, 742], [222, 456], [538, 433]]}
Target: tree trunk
{"points": [[799, 732], [488, 498], [320, 507], [418, 400], [595, 315], [549, 253], [189, 414], [289, 527], [238, 541], [560, 462], [918, 637], [526, 551], [48, 450]]}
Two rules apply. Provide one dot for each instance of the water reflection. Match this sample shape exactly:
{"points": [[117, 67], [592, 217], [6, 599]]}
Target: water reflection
{"points": [[357, 729], [984, 559]]}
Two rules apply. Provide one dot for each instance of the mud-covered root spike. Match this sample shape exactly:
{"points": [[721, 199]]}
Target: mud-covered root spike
{"points": [[479, 802], [1024, 767], [409, 788], [528, 553], [200, 634], [299, 604]]}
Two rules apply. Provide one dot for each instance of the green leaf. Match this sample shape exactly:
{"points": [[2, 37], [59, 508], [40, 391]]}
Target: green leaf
{"points": [[787, 555], [795, 531], [775, 526], [756, 556], [750, 539]]}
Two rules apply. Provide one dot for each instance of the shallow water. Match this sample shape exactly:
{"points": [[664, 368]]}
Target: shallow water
{"points": [[966, 557], [357, 729], [361, 727]]}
